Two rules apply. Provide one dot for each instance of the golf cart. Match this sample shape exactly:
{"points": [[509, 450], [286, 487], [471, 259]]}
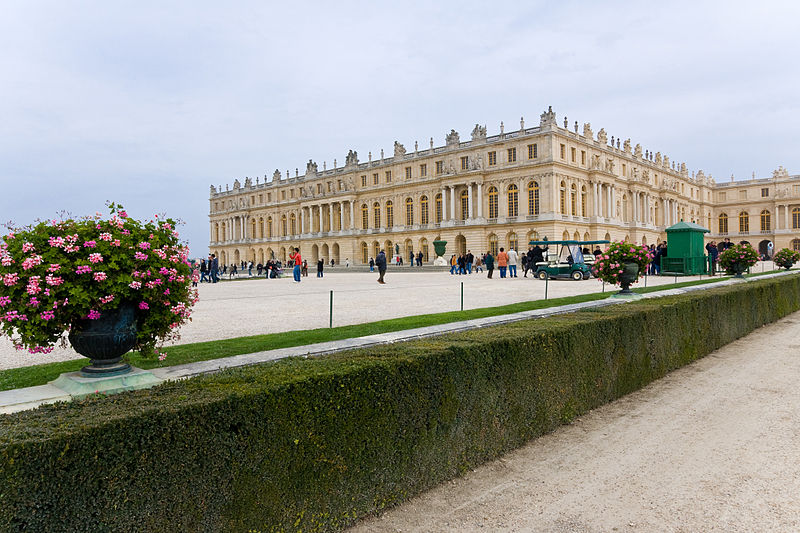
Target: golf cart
{"points": [[565, 259]]}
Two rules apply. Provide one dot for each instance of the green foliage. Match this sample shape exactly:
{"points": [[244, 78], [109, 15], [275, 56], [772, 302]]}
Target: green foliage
{"points": [[313, 444], [786, 258], [738, 258], [57, 274]]}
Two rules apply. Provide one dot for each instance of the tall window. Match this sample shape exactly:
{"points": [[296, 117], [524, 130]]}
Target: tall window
{"points": [[492, 159], [260, 228], [533, 198], [388, 176], [423, 170], [465, 163], [409, 212], [439, 167], [493, 244], [364, 253], [389, 214], [512, 155], [376, 248], [513, 241], [283, 225], [796, 218], [269, 227], [744, 222], [293, 224], [563, 199], [533, 151], [375, 179], [513, 200], [364, 180], [408, 173], [796, 245], [766, 222], [723, 223], [583, 201], [364, 216], [423, 247], [492, 194], [764, 192], [376, 215], [464, 205], [573, 199], [423, 210], [438, 208]]}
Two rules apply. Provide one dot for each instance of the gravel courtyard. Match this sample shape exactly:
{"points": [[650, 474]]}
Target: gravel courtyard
{"points": [[255, 306]]}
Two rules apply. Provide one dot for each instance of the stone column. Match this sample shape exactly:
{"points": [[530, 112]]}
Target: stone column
{"points": [[579, 200], [786, 216], [341, 216], [330, 217], [480, 201], [444, 203], [613, 202], [452, 203], [352, 216], [469, 201]]}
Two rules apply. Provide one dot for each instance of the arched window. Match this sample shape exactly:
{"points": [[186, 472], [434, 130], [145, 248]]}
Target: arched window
{"points": [[269, 227], [533, 198], [513, 200], [744, 222], [492, 194], [252, 229], [423, 247], [583, 201], [409, 212], [261, 227], [796, 245], [376, 248], [283, 225], [364, 216], [216, 232], [376, 215], [464, 205], [513, 241], [766, 221], [723, 223], [573, 200], [438, 208], [293, 224], [493, 244], [796, 218], [423, 210], [389, 214], [563, 199], [364, 253]]}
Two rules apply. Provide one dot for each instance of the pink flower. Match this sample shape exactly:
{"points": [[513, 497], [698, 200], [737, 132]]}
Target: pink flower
{"points": [[53, 281], [27, 247], [123, 214], [4, 301], [54, 267], [143, 305], [116, 243], [33, 302], [96, 258], [89, 244], [31, 262], [135, 284], [48, 315], [140, 256], [83, 269], [105, 237], [145, 245], [93, 315], [56, 242], [100, 276], [107, 299], [33, 285], [6, 260]]}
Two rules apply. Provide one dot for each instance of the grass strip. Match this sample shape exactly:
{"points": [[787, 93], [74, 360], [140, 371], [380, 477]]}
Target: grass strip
{"points": [[30, 376]]}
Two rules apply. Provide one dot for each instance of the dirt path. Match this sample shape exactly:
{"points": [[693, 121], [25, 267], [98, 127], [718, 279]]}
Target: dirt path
{"points": [[714, 446]]}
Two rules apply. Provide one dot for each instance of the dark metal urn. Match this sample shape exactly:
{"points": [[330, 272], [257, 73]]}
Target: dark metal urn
{"points": [[630, 274], [105, 341]]}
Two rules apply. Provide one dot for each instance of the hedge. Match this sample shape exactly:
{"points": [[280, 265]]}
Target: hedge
{"points": [[314, 444]]}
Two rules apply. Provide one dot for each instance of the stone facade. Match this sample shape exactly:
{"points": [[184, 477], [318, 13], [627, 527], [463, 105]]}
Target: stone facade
{"points": [[493, 191]]}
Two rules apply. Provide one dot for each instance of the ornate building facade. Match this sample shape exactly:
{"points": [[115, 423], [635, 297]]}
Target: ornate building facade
{"points": [[493, 191]]}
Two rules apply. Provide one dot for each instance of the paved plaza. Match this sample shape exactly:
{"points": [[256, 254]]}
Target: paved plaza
{"points": [[256, 306]]}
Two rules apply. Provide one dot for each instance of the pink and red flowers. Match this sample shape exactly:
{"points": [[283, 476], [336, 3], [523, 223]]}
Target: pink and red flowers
{"points": [[96, 258]]}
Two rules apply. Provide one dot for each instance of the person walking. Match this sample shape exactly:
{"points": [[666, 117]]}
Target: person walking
{"points": [[502, 262], [713, 254], [304, 269], [470, 259], [478, 265], [250, 269], [371, 265], [203, 271], [380, 261], [419, 259], [512, 263], [298, 261], [488, 260], [453, 264], [320, 266]]}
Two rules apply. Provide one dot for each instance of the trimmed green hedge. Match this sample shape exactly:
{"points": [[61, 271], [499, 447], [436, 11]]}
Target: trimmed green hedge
{"points": [[313, 444]]}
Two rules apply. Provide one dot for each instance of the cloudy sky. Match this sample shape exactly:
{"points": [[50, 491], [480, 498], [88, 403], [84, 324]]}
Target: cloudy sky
{"points": [[148, 103]]}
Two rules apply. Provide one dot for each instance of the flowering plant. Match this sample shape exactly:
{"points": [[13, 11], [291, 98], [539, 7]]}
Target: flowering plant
{"points": [[57, 273], [611, 263], [738, 258], [786, 258]]}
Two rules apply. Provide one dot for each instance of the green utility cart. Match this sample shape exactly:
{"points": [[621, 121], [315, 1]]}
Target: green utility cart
{"points": [[685, 250]]}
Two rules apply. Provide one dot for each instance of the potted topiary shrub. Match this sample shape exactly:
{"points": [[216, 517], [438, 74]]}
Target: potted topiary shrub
{"points": [[738, 258], [622, 264], [111, 285], [785, 258]]}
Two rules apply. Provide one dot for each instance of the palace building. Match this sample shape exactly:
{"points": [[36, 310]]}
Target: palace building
{"points": [[490, 192]]}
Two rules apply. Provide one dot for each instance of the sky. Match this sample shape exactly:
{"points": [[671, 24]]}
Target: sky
{"points": [[149, 103]]}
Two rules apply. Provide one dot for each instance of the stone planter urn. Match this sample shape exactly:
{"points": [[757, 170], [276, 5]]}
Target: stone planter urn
{"points": [[439, 248], [629, 275], [738, 269], [105, 341]]}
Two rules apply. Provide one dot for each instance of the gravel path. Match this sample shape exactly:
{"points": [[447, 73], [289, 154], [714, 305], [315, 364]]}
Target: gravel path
{"points": [[256, 306], [714, 446]]}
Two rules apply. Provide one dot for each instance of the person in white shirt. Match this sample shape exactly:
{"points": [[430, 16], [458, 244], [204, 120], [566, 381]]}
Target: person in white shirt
{"points": [[513, 257]]}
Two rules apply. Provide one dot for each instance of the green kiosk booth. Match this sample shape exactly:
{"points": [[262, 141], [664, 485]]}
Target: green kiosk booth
{"points": [[685, 250]]}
